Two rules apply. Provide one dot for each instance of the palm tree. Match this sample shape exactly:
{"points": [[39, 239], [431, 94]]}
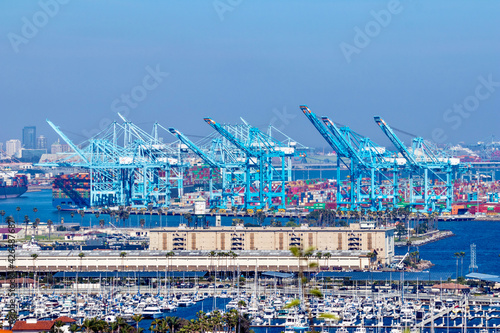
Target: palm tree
{"points": [[35, 226], [2, 212], [327, 255], [137, 318], [49, 225], [155, 325], [34, 256], [58, 326], [72, 216], [88, 325], [101, 223], [82, 214], [142, 222], [371, 256], [173, 323], [122, 324], [167, 256], [123, 255], [318, 257], [74, 328], [189, 218], [59, 213], [81, 255], [26, 221], [304, 255], [34, 211], [150, 208], [462, 255], [18, 209], [457, 255]]}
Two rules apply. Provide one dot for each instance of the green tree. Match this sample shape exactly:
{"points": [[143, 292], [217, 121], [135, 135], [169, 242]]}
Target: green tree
{"points": [[372, 256], [189, 218], [137, 318], [49, 225], [173, 323], [303, 256], [457, 255], [81, 255], [123, 255], [400, 230]]}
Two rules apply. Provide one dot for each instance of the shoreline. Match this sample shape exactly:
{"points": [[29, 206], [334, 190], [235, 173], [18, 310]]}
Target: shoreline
{"points": [[427, 238]]}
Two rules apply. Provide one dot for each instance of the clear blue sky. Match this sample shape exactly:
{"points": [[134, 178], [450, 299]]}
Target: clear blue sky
{"points": [[253, 59]]}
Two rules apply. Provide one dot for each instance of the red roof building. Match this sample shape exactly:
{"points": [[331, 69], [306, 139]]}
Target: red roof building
{"points": [[32, 325]]}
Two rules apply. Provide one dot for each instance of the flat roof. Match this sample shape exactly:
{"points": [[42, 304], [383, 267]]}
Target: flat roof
{"points": [[483, 277], [278, 275], [131, 274], [387, 276], [182, 253], [356, 228]]}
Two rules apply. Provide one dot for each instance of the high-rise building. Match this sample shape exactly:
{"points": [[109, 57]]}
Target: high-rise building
{"points": [[41, 142], [12, 147], [58, 147], [29, 137]]}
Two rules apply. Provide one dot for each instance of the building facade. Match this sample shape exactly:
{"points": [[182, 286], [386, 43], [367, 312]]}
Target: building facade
{"points": [[29, 137], [244, 261], [239, 238], [41, 142], [13, 147]]}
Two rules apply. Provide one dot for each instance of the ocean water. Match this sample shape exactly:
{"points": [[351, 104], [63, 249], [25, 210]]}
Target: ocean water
{"points": [[485, 234]]}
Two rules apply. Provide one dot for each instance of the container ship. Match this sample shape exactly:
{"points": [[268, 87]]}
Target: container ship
{"points": [[12, 187], [72, 191]]}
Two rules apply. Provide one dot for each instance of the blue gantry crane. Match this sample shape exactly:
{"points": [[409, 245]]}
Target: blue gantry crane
{"points": [[127, 166], [372, 170], [228, 171], [264, 178], [430, 171]]}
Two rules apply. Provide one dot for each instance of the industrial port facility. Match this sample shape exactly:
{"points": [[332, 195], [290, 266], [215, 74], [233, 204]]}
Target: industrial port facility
{"points": [[248, 169]]}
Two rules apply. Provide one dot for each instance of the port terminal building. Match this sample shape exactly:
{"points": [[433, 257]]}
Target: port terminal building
{"points": [[356, 238], [180, 261], [234, 248]]}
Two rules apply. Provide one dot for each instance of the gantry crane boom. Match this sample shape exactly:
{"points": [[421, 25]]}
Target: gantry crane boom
{"points": [[396, 141], [352, 153], [68, 141], [230, 137], [332, 141], [195, 148]]}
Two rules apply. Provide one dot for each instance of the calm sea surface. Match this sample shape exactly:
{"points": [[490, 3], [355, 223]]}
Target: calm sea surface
{"points": [[486, 235]]}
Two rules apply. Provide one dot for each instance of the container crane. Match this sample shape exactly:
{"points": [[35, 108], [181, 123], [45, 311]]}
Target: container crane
{"points": [[263, 181], [135, 173], [345, 193], [372, 166], [430, 173], [218, 199]]}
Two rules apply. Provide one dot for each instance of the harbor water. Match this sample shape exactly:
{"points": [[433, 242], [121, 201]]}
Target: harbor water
{"points": [[484, 234]]}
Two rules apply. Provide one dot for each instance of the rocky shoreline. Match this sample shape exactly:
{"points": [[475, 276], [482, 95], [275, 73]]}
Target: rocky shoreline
{"points": [[428, 238]]}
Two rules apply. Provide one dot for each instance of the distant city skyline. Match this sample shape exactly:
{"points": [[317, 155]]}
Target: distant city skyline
{"points": [[429, 74]]}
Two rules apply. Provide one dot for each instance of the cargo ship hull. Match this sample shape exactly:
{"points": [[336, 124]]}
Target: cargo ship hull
{"points": [[13, 187], [9, 192]]}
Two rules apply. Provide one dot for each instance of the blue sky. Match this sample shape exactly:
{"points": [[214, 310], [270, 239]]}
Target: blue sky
{"points": [[253, 59]]}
